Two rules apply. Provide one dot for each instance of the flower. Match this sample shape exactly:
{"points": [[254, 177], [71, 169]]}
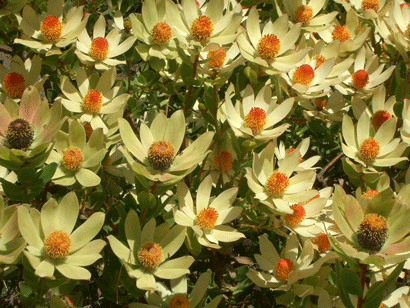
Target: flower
{"points": [[53, 31], [370, 9], [149, 252], [78, 160], [157, 152], [276, 187], [273, 48], [27, 130], [21, 76], [102, 49], [372, 149], [254, 117], [52, 243], [11, 242], [208, 218], [94, 97]]}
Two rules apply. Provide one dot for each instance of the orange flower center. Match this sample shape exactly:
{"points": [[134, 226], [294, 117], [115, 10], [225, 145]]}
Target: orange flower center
{"points": [[283, 268], [341, 33], [51, 28], [255, 119], [320, 103], [73, 158], [297, 216], [277, 183], [92, 101], [372, 232], [179, 301], [99, 48], [19, 134], [57, 244], [322, 242], [161, 155], [303, 74], [370, 5], [360, 79], [218, 57], [202, 28], [14, 85], [223, 160], [161, 33], [369, 149], [379, 118], [127, 25], [268, 47], [370, 193], [303, 14], [319, 60], [288, 151], [206, 218], [150, 255]]}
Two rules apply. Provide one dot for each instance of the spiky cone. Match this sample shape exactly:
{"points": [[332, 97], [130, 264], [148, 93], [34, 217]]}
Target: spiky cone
{"points": [[285, 270], [255, 117], [52, 31], [276, 187], [94, 97], [102, 49], [149, 250], [11, 242], [11, 6], [273, 48], [157, 158], [369, 148], [53, 244], [77, 159], [21, 75], [27, 130], [375, 229], [208, 219], [178, 296]]}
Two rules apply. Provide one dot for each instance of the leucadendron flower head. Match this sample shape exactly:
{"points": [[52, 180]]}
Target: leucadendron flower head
{"points": [[209, 217], [149, 251], [375, 229], [53, 30], [157, 152], [11, 242], [53, 244], [27, 130], [177, 296]]}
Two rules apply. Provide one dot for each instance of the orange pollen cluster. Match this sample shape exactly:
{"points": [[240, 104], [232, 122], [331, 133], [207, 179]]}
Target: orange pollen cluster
{"points": [[303, 74], [92, 101], [369, 149], [277, 183], [161, 33], [223, 160], [320, 103], [370, 5], [298, 215], [57, 244], [303, 14], [179, 301], [370, 193], [268, 47], [255, 119], [288, 151], [206, 218], [51, 28], [14, 85], [341, 33], [202, 28], [218, 57], [322, 242], [319, 60], [99, 48], [150, 255], [283, 268], [360, 79], [379, 118], [73, 158]]}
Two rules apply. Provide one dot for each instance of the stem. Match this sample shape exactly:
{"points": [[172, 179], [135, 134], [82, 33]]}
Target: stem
{"points": [[188, 97], [363, 272], [334, 160]]}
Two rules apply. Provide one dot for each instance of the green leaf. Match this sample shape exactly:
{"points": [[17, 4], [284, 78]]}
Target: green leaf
{"points": [[379, 288], [47, 172], [13, 191], [350, 281], [344, 296], [146, 199]]}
